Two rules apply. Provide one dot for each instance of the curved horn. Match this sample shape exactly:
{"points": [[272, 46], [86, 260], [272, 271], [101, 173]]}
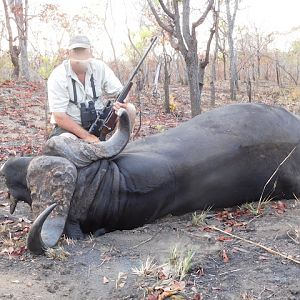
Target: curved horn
{"points": [[45, 233], [81, 153], [120, 138], [2, 169], [13, 205]]}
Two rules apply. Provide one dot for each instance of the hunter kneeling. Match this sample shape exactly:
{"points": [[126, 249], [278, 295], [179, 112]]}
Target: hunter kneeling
{"points": [[75, 90]]}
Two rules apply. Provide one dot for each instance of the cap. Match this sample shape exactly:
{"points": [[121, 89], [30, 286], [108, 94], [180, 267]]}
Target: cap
{"points": [[79, 41]]}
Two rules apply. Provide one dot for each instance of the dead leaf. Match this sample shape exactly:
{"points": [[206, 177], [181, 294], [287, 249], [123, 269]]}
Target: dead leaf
{"points": [[166, 294], [223, 238], [178, 285], [280, 207], [153, 296], [105, 280], [197, 297], [261, 257], [15, 281], [224, 256]]}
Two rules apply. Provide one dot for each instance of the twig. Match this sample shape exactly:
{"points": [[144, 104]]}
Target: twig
{"points": [[146, 241], [258, 216], [261, 196], [293, 239], [288, 257], [228, 272]]}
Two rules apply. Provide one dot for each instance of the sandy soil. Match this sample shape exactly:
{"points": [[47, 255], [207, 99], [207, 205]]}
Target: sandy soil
{"points": [[92, 269], [103, 268]]}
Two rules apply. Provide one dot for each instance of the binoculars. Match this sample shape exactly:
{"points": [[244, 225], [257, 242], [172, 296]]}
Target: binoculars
{"points": [[88, 114]]}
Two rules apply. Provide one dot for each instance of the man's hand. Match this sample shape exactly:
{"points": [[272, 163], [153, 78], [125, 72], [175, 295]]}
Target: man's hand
{"points": [[64, 121], [118, 105], [91, 139]]}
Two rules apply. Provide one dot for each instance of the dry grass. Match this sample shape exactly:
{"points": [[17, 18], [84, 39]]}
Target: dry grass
{"points": [[294, 234], [58, 253], [69, 241], [146, 269], [268, 198], [256, 208], [297, 201], [177, 267], [184, 264], [199, 219], [3, 228]]}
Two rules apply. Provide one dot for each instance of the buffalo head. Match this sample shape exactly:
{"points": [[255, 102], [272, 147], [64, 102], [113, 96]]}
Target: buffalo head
{"points": [[47, 182]]}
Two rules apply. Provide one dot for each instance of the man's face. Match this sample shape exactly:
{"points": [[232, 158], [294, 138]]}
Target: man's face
{"points": [[79, 59]]}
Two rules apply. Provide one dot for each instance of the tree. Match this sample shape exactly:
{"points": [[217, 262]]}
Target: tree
{"points": [[215, 56], [222, 38], [18, 52], [111, 38], [167, 60], [183, 38], [231, 16]]}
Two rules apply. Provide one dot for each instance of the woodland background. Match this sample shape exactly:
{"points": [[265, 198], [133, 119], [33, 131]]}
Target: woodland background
{"points": [[205, 57]]}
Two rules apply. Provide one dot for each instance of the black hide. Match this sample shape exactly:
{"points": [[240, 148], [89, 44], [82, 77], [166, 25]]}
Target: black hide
{"points": [[221, 158]]}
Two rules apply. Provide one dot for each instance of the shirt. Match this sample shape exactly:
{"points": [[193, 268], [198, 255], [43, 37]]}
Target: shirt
{"points": [[60, 88]]}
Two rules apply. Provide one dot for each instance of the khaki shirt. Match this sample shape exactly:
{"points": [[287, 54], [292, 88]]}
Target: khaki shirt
{"points": [[60, 88]]}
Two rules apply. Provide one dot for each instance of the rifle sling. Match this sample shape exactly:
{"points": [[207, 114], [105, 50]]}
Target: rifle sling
{"points": [[95, 98]]}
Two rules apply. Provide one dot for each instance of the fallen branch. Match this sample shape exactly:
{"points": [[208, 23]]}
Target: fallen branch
{"points": [[146, 241], [288, 257]]}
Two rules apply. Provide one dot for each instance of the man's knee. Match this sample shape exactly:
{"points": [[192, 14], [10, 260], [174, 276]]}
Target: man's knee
{"points": [[58, 131]]}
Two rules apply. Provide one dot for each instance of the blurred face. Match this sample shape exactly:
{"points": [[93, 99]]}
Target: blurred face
{"points": [[79, 59]]}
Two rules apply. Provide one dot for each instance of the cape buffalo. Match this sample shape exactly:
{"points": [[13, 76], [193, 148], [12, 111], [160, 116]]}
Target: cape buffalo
{"points": [[225, 157]]}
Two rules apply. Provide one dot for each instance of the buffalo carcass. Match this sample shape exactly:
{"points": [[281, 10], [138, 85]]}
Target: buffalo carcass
{"points": [[222, 158]]}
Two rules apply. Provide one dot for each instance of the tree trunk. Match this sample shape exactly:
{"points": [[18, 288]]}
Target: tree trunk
{"points": [[297, 69], [267, 72], [201, 78], [111, 41], [24, 60], [224, 66], [20, 14], [232, 54], [193, 80], [249, 89], [214, 60], [232, 67], [258, 64], [166, 86], [167, 76], [183, 38], [13, 50], [278, 74]]}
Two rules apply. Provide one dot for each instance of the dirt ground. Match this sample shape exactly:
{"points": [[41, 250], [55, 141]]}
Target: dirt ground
{"points": [[183, 255]]}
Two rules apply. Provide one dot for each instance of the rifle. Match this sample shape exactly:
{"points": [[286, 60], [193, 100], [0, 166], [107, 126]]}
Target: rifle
{"points": [[107, 119]]}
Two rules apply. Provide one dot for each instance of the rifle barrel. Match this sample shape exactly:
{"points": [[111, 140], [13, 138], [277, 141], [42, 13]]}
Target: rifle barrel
{"points": [[153, 40]]}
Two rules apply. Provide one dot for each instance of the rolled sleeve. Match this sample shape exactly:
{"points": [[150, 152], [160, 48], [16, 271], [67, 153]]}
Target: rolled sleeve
{"points": [[58, 95]]}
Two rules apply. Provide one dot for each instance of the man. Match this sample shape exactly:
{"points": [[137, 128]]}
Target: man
{"points": [[77, 81]]}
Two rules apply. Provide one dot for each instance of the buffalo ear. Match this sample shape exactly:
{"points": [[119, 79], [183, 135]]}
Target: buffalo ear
{"points": [[51, 181], [15, 171]]}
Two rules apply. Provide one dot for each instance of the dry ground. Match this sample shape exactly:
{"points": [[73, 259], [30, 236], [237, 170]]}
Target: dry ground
{"points": [[147, 263]]}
